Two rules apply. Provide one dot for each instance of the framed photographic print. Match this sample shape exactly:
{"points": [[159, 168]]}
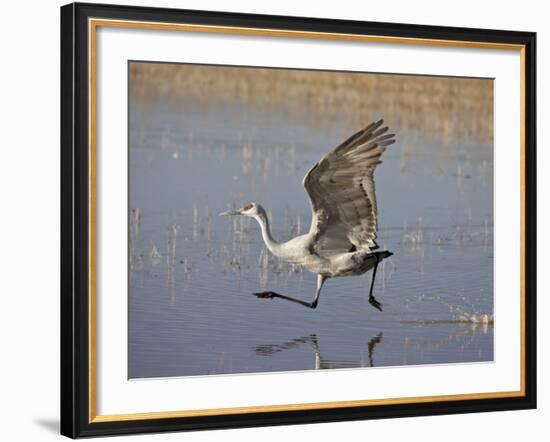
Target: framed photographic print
{"points": [[279, 220]]}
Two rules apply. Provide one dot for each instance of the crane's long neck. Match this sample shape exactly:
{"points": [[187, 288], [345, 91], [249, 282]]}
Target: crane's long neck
{"points": [[270, 243]]}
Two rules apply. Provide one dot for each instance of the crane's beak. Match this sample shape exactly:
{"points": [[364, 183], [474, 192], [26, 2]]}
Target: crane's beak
{"points": [[231, 213]]}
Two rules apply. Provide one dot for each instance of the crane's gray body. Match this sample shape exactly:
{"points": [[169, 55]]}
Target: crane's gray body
{"points": [[301, 251]]}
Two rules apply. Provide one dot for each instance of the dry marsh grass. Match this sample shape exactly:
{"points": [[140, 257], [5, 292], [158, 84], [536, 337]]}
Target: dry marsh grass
{"points": [[443, 106]]}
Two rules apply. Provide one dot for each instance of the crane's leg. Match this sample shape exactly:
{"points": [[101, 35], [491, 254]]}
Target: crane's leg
{"points": [[270, 295], [372, 299]]}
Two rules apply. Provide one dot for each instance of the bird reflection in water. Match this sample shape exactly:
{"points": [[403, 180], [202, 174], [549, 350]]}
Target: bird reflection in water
{"points": [[320, 362]]}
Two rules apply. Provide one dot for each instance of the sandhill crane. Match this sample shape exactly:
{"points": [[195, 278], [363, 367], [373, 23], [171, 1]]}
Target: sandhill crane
{"points": [[341, 240]]}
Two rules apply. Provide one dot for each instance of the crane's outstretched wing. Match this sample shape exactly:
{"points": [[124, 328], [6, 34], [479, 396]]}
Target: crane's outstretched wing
{"points": [[341, 190]]}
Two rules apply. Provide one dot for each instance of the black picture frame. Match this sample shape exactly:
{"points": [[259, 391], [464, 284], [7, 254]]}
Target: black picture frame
{"points": [[75, 220]]}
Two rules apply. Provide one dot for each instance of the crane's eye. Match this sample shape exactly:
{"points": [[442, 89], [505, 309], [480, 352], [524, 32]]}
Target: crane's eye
{"points": [[248, 207]]}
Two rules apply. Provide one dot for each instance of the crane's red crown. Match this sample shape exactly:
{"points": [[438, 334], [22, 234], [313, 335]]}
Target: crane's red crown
{"points": [[248, 207]]}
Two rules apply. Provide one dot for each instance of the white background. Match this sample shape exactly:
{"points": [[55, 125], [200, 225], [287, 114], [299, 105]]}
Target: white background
{"points": [[29, 79]]}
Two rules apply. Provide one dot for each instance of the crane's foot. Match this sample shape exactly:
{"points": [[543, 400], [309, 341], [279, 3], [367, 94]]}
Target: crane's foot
{"points": [[273, 295], [375, 303]]}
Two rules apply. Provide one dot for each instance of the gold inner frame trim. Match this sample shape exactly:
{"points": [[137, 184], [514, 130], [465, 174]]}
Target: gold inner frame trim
{"points": [[301, 34], [306, 406], [93, 24]]}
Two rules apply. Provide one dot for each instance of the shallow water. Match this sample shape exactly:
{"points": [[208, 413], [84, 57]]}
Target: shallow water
{"points": [[192, 273]]}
